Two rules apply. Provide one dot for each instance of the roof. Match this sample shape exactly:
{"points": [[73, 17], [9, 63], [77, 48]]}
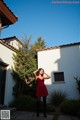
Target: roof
{"points": [[61, 46], [3, 42], [7, 16], [13, 37]]}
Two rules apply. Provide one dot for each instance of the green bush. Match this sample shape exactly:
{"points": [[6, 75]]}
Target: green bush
{"points": [[28, 103], [24, 103], [57, 97], [50, 108], [70, 107]]}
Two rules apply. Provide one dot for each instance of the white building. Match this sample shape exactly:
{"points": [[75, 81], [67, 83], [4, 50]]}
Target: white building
{"points": [[7, 49], [63, 64], [6, 64], [14, 42], [6, 80]]}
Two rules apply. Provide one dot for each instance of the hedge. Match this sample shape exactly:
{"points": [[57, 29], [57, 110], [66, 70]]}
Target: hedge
{"points": [[70, 107], [28, 103]]}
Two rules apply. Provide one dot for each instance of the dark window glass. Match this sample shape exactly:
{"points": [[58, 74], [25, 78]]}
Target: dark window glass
{"points": [[59, 76]]}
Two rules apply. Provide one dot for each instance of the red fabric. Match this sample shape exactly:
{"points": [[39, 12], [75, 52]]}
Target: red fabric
{"points": [[41, 89]]}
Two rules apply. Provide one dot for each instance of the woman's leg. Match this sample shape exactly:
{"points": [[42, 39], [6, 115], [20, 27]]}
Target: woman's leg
{"points": [[38, 105], [44, 106]]}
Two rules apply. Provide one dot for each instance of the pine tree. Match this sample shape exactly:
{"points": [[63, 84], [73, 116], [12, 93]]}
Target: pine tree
{"points": [[25, 62]]}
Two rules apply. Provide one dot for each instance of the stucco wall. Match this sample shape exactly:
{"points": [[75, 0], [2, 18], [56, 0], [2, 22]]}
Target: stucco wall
{"points": [[65, 60], [14, 43], [6, 56]]}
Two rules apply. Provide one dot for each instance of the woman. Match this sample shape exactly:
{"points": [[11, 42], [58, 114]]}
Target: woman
{"points": [[41, 90]]}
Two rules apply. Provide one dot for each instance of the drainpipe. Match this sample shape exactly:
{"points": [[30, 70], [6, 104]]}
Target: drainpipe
{"points": [[5, 27], [1, 28]]}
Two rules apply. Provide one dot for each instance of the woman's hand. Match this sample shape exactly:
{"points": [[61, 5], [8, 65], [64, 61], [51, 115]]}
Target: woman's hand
{"points": [[46, 76], [35, 72]]}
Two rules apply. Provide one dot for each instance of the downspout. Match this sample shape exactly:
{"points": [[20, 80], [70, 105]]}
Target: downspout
{"points": [[5, 27], [1, 28]]}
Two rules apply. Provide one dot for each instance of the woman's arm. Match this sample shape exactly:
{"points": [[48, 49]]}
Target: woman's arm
{"points": [[35, 73], [46, 76]]}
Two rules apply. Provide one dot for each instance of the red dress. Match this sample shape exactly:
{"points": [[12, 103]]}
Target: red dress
{"points": [[41, 89]]}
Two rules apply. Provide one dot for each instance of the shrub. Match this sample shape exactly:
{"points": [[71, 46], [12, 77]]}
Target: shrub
{"points": [[57, 97], [70, 107], [50, 108], [78, 83], [27, 103], [24, 103]]}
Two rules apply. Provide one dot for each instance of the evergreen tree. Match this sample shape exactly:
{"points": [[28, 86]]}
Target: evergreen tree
{"points": [[25, 62], [38, 45]]}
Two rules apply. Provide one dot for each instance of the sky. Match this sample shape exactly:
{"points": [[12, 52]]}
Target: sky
{"points": [[58, 24]]}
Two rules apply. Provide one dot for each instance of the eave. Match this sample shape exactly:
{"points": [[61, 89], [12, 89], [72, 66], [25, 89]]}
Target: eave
{"points": [[58, 47], [6, 44], [7, 16]]}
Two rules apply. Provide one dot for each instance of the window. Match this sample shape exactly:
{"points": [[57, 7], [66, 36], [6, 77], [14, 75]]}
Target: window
{"points": [[59, 76]]}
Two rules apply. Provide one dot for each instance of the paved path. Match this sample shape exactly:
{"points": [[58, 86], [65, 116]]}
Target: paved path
{"points": [[18, 115], [65, 117], [29, 116]]}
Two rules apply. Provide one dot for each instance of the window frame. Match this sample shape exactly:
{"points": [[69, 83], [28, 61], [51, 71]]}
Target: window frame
{"points": [[59, 81]]}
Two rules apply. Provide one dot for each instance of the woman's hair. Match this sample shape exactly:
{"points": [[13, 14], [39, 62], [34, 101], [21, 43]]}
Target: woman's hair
{"points": [[39, 71]]}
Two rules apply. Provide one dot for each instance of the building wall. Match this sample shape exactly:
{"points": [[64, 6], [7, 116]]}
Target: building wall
{"points": [[14, 43], [65, 60], [6, 56]]}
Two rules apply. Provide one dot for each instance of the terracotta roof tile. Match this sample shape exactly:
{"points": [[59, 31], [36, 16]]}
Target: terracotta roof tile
{"points": [[3, 42], [13, 37], [61, 46]]}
